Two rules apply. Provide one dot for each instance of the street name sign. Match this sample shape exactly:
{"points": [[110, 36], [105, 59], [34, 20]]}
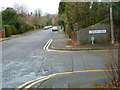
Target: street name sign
{"points": [[96, 31]]}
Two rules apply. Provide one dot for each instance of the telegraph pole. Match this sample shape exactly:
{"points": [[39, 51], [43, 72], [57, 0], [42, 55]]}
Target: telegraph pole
{"points": [[111, 23]]}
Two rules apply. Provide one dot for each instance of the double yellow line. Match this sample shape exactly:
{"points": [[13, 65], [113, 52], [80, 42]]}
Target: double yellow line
{"points": [[29, 84]]}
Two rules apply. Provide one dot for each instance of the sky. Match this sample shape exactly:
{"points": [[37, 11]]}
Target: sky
{"points": [[47, 6]]}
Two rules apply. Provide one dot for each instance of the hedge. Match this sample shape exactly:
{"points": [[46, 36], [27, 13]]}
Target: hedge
{"points": [[8, 30], [11, 29], [24, 28], [14, 30], [27, 27]]}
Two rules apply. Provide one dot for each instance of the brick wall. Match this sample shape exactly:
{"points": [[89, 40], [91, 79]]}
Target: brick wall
{"points": [[2, 33], [83, 36]]}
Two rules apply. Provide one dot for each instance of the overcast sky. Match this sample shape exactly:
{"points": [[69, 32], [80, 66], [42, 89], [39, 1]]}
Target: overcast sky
{"points": [[47, 6]]}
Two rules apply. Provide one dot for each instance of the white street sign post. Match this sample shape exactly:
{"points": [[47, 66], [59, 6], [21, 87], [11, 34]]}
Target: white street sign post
{"points": [[96, 32]]}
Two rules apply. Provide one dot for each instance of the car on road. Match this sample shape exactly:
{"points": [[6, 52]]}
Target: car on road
{"points": [[55, 28], [46, 27], [50, 26]]}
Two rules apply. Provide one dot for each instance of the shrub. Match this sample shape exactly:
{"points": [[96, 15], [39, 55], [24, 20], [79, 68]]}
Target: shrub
{"points": [[13, 29], [8, 31], [22, 29], [27, 27], [10, 17], [38, 25]]}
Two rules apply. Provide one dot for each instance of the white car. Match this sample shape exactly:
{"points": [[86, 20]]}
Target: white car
{"points": [[54, 28], [50, 26], [46, 27]]}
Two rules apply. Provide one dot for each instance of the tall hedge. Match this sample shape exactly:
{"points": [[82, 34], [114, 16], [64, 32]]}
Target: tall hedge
{"points": [[8, 30], [22, 29], [27, 27], [10, 17], [13, 29]]}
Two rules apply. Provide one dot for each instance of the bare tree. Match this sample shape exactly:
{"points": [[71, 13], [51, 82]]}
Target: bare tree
{"points": [[20, 8], [35, 20], [38, 12], [47, 18]]}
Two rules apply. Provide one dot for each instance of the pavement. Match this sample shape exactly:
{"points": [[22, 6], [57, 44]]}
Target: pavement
{"points": [[3, 39], [17, 35], [61, 42]]}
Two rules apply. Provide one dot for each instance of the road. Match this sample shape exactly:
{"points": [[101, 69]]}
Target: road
{"points": [[23, 59]]}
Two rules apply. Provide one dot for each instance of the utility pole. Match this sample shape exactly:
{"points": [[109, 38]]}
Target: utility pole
{"points": [[111, 23]]}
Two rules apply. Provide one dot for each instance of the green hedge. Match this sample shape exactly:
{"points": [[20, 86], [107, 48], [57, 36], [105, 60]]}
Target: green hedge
{"points": [[27, 27], [8, 30], [24, 28], [13, 29]]}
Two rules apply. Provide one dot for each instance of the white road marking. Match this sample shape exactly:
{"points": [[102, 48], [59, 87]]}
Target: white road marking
{"points": [[46, 45], [49, 45]]}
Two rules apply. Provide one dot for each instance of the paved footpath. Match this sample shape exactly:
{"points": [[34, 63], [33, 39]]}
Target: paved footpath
{"points": [[60, 42]]}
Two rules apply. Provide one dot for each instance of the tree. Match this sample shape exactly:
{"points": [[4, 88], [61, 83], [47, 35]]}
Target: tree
{"points": [[61, 7], [38, 12], [10, 17], [47, 18], [20, 8], [35, 20]]}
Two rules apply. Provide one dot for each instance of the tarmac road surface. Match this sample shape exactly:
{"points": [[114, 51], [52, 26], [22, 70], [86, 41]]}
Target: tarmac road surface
{"points": [[23, 59]]}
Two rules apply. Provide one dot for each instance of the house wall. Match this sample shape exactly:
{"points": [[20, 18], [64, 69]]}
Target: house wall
{"points": [[2, 33]]}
